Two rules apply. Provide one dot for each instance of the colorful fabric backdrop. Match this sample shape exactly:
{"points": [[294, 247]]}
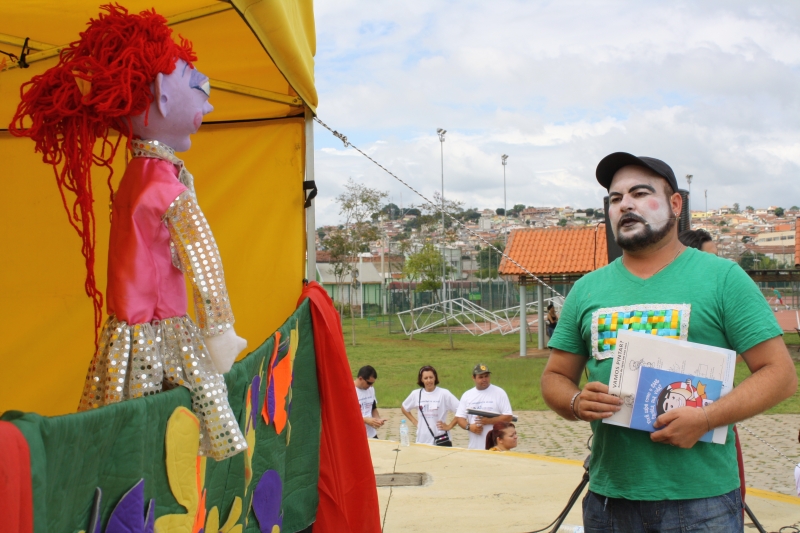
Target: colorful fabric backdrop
{"points": [[133, 466]]}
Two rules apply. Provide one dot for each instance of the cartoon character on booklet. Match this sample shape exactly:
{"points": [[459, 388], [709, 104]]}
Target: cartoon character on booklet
{"points": [[681, 394]]}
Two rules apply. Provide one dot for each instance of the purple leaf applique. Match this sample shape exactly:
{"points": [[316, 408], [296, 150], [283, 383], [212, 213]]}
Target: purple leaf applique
{"points": [[128, 515], [267, 500]]}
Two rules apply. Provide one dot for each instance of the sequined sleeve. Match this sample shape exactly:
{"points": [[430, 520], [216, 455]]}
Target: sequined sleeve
{"points": [[199, 257]]}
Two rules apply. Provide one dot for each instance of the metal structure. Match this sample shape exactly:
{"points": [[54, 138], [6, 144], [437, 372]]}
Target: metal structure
{"points": [[473, 318]]}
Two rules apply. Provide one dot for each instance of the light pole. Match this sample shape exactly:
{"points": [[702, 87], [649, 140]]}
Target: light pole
{"points": [[706, 193], [504, 159], [441, 133]]}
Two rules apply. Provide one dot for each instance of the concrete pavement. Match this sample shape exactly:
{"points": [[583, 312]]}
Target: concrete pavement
{"points": [[488, 492]]}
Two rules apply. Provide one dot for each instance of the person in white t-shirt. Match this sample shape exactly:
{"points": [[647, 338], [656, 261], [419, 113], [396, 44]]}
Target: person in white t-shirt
{"points": [[367, 401], [431, 402], [483, 397]]}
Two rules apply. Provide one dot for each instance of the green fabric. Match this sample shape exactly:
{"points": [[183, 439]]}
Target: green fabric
{"points": [[727, 310], [115, 446]]}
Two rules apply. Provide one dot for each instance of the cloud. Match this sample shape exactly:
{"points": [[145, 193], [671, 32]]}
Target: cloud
{"points": [[710, 87]]}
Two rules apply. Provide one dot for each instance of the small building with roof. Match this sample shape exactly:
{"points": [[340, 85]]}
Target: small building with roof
{"points": [[558, 256]]}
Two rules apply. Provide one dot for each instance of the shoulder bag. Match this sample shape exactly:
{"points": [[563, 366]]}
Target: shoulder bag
{"points": [[440, 440]]}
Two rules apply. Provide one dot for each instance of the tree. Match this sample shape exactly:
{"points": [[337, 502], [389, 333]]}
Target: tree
{"points": [[356, 204], [390, 212], [338, 246], [749, 209], [500, 211], [489, 261], [589, 212], [519, 207], [753, 260], [427, 266], [779, 211], [470, 215], [794, 208], [736, 208], [453, 208], [562, 222]]}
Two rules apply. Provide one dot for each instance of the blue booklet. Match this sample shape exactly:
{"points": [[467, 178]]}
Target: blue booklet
{"points": [[659, 391]]}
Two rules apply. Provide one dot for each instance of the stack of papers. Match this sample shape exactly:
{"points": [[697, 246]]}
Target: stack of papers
{"points": [[696, 363]]}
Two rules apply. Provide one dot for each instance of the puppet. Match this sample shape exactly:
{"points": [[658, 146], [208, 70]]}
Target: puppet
{"points": [[126, 74]]}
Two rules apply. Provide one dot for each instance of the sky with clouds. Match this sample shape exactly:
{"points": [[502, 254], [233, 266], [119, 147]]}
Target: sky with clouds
{"points": [[712, 88]]}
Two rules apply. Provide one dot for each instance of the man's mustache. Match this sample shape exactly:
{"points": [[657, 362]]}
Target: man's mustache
{"points": [[628, 217]]}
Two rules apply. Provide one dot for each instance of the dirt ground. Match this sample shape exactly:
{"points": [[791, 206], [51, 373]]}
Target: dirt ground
{"points": [[545, 433]]}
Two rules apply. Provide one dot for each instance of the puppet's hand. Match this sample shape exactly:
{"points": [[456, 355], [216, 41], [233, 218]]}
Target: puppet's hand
{"points": [[224, 349]]}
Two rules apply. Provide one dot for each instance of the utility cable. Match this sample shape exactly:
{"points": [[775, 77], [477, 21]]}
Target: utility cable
{"points": [[436, 207]]}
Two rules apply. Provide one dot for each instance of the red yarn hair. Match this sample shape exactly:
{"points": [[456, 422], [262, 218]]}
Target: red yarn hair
{"points": [[99, 83]]}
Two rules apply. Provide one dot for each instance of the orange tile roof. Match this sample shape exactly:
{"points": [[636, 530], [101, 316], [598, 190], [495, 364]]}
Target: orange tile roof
{"points": [[556, 250]]}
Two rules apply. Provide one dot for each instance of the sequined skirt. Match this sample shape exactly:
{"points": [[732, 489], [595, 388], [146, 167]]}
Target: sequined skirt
{"points": [[135, 360]]}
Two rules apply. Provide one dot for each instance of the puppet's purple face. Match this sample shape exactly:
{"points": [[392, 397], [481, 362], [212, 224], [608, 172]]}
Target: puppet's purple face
{"points": [[187, 91]]}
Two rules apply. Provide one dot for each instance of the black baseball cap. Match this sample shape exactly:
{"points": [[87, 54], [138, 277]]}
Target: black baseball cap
{"points": [[610, 164]]}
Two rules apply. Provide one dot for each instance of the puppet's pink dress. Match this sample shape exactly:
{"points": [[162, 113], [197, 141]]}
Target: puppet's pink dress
{"points": [[158, 232]]}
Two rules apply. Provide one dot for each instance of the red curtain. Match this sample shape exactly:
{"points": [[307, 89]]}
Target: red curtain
{"points": [[348, 497], [16, 496]]}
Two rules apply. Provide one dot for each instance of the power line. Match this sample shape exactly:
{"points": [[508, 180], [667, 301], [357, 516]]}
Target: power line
{"points": [[347, 144]]}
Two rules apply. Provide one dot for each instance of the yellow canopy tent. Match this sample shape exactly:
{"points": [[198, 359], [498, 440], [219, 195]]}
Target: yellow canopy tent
{"points": [[249, 162]]}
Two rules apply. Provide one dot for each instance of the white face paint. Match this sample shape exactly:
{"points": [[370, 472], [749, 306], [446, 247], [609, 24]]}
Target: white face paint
{"points": [[638, 209]]}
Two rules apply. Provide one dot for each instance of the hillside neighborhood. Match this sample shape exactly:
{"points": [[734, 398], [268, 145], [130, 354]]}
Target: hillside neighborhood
{"points": [[755, 237]]}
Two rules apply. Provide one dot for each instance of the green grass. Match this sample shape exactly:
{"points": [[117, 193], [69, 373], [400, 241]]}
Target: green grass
{"points": [[397, 361]]}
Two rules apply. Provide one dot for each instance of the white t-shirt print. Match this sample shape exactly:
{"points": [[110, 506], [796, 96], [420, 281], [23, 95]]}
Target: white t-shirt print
{"points": [[435, 406], [492, 399], [366, 401]]}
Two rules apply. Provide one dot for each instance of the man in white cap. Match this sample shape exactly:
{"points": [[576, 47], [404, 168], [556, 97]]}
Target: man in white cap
{"points": [[666, 480]]}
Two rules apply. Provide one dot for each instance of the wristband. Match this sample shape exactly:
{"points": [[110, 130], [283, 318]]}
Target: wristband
{"points": [[572, 406], [708, 423], [467, 428]]}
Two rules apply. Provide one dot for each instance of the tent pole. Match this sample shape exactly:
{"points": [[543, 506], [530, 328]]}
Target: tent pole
{"points": [[311, 230], [541, 325]]}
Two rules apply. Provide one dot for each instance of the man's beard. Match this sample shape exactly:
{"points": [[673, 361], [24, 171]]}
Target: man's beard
{"points": [[642, 239]]}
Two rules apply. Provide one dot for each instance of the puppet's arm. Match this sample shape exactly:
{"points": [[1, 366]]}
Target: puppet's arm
{"points": [[199, 256]]}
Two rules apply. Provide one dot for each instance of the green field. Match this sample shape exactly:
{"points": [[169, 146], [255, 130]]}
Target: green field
{"points": [[397, 361]]}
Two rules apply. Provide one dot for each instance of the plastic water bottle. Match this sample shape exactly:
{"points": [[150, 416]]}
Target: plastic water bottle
{"points": [[569, 528], [403, 433]]}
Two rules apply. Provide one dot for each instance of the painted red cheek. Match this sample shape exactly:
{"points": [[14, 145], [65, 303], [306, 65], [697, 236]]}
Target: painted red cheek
{"points": [[198, 119], [652, 204]]}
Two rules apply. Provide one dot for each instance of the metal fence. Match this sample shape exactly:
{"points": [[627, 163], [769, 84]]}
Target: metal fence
{"points": [[398, 297], [492, 296]]}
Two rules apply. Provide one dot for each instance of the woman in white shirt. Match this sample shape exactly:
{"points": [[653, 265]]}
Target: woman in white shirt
{"points": [[432, 403]]}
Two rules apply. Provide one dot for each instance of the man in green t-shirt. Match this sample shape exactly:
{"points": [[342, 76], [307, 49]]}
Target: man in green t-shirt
{"points": [[666, 480]]}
